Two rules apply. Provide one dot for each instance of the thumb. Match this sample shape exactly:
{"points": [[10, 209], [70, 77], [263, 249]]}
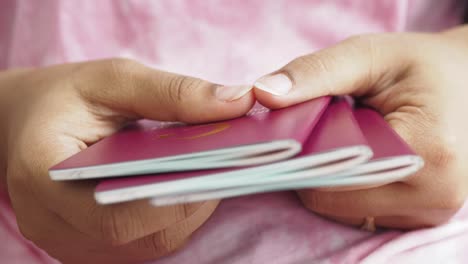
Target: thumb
{"points": [[358, 66], [138, 91]]}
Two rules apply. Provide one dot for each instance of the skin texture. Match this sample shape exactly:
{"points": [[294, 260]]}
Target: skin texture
{"points": [[57, 111], [417, 81]]}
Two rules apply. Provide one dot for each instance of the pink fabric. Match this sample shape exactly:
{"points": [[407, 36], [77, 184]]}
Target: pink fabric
{"points": [[230, 42]]}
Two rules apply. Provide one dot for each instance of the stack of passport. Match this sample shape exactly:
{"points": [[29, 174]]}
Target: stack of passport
{"points": [[326, 142]]}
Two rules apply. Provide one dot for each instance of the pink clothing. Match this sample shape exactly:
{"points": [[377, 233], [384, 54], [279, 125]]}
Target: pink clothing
{"points": [[231, 43]]}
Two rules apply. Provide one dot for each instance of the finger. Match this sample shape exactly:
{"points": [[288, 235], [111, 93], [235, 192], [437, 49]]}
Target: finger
{"points": [[135, 89], [396, 222], [392, 199], [351, 188], [74, 201], [170, 239], [120, 223], [357, 66], [53, 234]]}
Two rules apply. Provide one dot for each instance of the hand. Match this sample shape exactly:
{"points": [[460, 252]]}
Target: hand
{"points": [[57, 111], [419, 83]]}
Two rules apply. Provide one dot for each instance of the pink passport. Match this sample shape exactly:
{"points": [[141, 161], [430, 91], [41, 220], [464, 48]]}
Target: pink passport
{"points": [[262, 136], [323, 138], [336, 150], [392, 161]]}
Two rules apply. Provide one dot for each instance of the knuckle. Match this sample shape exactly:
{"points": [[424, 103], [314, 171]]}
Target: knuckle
{"points": [[316, 64], [116, 228], [180, 91], [182, 87], [173, 237], [162, 243]]}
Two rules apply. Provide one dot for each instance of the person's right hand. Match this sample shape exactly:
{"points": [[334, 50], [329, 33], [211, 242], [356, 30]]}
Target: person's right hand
{"points": [[55, 112], [418, 82]]}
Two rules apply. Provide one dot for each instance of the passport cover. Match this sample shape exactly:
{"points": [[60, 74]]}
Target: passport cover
{"points": [[336, 143], [393, 160], [320, 143], [148, 146]]}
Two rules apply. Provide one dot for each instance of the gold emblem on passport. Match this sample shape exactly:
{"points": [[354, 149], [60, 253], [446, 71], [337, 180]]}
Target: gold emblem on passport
{"points": [[195, 132]]}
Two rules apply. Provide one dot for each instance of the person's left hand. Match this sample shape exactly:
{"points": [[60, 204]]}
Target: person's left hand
{"points": [[56, 111]]}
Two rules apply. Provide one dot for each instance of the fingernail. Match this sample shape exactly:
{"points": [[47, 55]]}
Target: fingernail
{"points": [[278, 84], [231, 93]]}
